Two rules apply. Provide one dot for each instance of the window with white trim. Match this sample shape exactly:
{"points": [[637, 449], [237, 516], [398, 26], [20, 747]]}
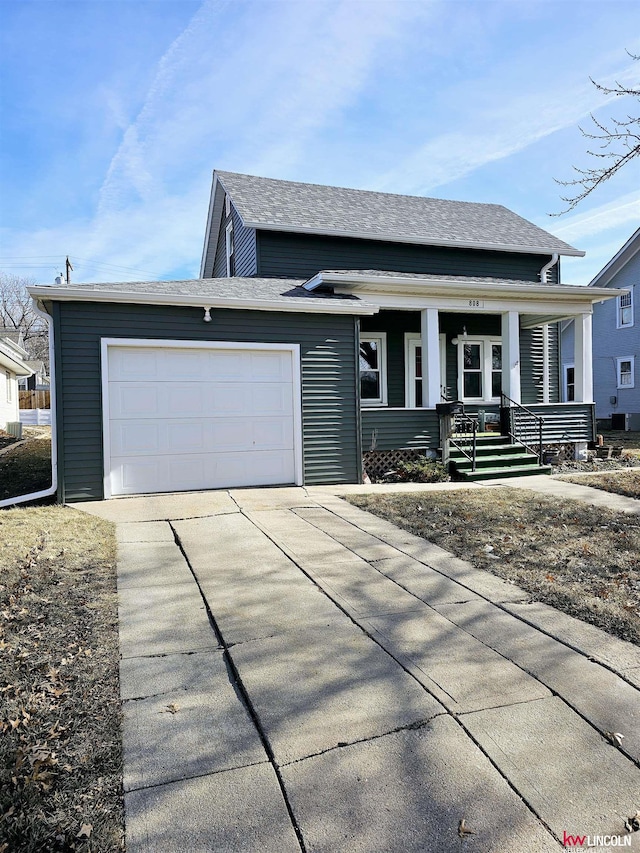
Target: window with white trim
{"points": [[479, 369], [569, 383], [625, 310], [229, 242], [9, 387], [625, 372], [373, 369]]}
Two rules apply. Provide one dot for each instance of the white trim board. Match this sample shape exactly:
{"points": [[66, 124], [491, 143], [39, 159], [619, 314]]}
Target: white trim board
{"points": [[156, 343]]}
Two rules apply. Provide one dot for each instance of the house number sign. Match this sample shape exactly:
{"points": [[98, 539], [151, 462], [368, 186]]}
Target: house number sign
{"points": [[476, 303]]}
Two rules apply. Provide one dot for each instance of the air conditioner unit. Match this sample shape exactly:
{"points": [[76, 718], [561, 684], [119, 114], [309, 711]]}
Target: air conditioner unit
{"points": [[620, 421]]}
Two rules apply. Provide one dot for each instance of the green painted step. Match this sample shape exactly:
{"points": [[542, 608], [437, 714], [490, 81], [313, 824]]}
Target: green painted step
{"points": [[506, 461], [495, 473]]}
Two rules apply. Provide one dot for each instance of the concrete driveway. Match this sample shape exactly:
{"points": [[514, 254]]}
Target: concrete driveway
{"points": [[298, 675]]}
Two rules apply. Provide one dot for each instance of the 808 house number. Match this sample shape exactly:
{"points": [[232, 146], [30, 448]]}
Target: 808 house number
{"points": [[476, 303]]}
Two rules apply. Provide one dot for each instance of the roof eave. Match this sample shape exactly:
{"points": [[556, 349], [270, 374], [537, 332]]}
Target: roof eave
{"points": [[451, 244], [618, 261], [298, 306], [416, 286]]}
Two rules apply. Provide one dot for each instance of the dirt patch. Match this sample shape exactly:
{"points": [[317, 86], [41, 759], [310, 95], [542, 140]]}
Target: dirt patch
{"points": [[60, 753], [578, 558], [26, 469]]}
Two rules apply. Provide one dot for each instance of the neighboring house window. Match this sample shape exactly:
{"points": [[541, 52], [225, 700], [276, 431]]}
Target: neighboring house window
{"points": [[569, 383], [413, 369], [230, 250], [9, 387], [373, 379], [625, 310], [479, 369], [625, 372]]}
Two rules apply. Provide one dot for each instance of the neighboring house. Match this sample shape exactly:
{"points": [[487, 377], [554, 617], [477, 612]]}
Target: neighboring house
{"points": [[616, 342], [38, 381], [13, 366], [325, 320]]}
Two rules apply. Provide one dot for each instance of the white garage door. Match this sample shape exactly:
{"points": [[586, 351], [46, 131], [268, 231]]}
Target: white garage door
{"points": [[191, 418]]}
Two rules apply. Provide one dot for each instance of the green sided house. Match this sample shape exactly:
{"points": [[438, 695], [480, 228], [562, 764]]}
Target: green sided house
{"points": [[327, 322]]}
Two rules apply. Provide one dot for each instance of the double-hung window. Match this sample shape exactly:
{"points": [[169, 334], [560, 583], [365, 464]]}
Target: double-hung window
{"points": [[625, 310], [479, 369], [373, 378], [625, 371], [9, 388]]}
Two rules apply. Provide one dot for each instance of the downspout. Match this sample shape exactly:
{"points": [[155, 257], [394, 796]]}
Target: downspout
{"points": [[45, 493], [545, 269]]}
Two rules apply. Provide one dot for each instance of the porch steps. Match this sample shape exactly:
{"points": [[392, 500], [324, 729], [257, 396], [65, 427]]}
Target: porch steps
{"points": [[495, 458]]}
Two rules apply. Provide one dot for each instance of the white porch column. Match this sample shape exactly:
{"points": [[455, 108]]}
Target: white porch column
{"points": [[511, 355], [546, 383], [430, 346], [583, 370]]}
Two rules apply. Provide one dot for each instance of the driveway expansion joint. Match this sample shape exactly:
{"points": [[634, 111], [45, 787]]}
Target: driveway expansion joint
{"points": [[527, 598], [409, 727], [164, 782], [243, 695]]}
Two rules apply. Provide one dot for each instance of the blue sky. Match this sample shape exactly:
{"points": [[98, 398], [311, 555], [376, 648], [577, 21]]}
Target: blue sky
{"points": [[114, 114]]}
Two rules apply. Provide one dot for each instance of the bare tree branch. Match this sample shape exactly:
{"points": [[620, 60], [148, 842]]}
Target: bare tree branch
{"points": [[17, 314], [619, 143]]}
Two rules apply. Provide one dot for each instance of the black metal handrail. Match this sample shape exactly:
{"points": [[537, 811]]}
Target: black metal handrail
{"points": [[472, 456], [513, 434]]}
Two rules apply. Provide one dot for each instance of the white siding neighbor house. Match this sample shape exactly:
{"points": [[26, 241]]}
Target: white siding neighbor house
{"points": [[12, 366]]}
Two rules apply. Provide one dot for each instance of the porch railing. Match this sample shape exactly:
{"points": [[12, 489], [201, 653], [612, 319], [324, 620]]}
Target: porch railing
{"points": [[466, 428], [517, 420]]}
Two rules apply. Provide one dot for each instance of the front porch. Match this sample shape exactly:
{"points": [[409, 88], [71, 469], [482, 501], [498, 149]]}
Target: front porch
{"points": [[502, 367]]}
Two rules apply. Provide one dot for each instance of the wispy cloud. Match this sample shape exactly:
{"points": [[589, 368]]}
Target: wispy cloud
{"points": [[497, 131], [624, 211]]}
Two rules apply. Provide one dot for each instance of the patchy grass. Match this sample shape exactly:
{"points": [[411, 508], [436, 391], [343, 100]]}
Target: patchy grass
{"points": [[26, 468], [578, 558], [625, 483], [60, 753]]}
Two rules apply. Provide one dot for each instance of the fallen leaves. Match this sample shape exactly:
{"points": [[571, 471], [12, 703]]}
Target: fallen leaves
{"points": [[463, 829], [632, 824], [173, 708], [614, 737]]}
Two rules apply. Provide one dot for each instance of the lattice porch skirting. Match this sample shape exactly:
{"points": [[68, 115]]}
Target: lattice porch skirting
{"points": [[377, 463]]}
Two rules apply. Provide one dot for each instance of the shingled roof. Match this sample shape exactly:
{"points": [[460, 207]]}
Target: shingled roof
{"points": [[312, 208]]}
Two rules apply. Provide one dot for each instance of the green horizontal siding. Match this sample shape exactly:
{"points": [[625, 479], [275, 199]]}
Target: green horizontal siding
{"points": [[563, 423], [328, 365], [398, 428], [293, 255]]}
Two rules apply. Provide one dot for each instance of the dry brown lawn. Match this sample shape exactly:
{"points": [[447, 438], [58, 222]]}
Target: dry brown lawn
{"points": [[60, 753], [625, 483], [578, 558]]}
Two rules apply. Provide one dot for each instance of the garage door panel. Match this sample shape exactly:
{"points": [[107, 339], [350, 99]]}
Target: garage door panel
{"points": [[137, 475], [194, 418], [180, 436], [193, 400]]}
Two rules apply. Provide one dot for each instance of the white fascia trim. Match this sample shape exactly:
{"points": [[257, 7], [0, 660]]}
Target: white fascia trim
{"points": [[416, 286], [62, 294], [619, 260], [207, 230], [14, 364], [456, 244]]}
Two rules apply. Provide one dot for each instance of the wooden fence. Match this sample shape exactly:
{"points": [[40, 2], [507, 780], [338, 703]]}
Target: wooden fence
{"points": [[35, 399]]}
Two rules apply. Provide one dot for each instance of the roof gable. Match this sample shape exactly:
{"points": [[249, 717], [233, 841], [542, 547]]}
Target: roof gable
{"points": [[624, 256], [269, 204]]}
